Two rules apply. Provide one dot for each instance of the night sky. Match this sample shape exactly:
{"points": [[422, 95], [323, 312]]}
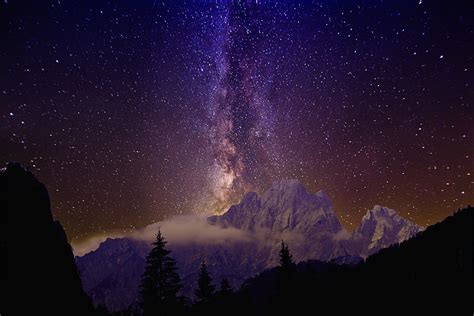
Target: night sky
{"points": [[134, 111]]}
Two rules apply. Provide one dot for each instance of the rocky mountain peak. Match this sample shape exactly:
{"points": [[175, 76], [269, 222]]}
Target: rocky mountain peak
{"points": [[293, 185], [382, 226], [383, 216], [285, 207], [380, 211]]}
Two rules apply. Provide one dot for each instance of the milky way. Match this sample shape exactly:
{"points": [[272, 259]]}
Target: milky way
{"points": [[241, 119], [135, 111]]}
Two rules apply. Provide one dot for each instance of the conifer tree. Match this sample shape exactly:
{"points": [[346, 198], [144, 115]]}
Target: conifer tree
{"points": [[225, 288], [205, 290], [160, 282], [286, 276], [286, 259]]}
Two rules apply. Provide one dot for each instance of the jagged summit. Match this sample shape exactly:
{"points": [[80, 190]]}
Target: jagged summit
{"points": [[288, 184], [288, 187], [285, 206], [294, 186], [294, 189], [381, 227], [383, 216], [378, 210]]}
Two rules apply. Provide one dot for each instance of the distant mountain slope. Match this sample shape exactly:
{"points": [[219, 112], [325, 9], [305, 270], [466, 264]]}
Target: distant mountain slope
{"points": [[285, 211], [38, 272], [380, 228], [428, 274]]}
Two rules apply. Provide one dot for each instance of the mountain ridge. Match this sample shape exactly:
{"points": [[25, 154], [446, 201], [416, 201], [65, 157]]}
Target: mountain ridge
{"points": [[286, 211]]}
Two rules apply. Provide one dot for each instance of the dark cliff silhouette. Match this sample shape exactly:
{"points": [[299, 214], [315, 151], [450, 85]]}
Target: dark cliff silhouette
{"points": [[38, 272]]}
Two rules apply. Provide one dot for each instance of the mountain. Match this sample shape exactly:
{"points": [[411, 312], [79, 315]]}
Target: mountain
{"points": [[286, 211], [38, 272], [380, 228], [285, 207], [423, 275], [113, 273]]}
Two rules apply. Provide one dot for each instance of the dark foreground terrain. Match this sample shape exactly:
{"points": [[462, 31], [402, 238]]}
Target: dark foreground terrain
{"points": [[38, 272], [427, 274]]}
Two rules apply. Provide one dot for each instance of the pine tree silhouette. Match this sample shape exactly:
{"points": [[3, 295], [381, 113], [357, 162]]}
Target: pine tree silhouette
{"points": [[225, 288], [160, 282], [287, 271], [286, 259], [205, 290]]}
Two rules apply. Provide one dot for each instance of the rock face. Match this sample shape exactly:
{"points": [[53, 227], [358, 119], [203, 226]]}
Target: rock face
{"points": [[39, 273], [285, 207], [114, 271], [286, 211], [380, 228]]}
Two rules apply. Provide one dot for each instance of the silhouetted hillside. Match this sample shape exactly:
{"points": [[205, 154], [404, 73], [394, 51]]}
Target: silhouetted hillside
{"points": [[429, 273], [39, 275]]}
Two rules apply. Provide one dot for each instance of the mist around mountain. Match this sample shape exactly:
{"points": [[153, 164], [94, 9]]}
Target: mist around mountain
{"points": [[242, 242]]}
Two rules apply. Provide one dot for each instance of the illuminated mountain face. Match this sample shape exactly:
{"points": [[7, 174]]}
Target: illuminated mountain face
{"points": [[286, 211]]}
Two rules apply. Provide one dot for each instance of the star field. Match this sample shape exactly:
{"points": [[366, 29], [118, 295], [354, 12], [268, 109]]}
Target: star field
{"points": [[132, 112]]}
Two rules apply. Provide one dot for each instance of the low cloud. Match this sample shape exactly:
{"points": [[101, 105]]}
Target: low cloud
{"points": [[342, 235], [187, 229], [83, 247], [191, 229]]}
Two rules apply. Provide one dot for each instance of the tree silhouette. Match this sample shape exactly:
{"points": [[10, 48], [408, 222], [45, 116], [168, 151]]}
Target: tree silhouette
{"points": [[286, 272], [286, 259], [225, 289], [205, 290], [160, 282]]}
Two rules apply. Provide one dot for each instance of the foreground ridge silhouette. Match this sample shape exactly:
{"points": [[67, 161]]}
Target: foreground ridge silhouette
{"points": [[38, 272]]}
